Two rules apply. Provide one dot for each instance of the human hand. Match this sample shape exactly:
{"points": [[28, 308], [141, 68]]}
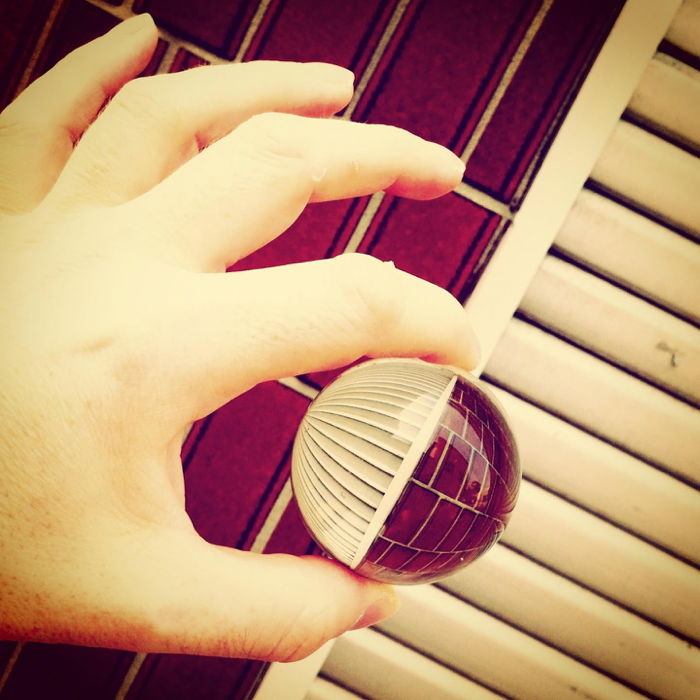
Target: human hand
{"points": [[120, 327]]}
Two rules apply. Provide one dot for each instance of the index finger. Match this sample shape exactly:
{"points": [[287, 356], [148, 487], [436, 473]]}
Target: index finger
{"points": [[251, 185]]}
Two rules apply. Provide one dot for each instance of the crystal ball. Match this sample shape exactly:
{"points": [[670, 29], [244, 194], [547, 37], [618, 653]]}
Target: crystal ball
{"points": [[405, 471]]}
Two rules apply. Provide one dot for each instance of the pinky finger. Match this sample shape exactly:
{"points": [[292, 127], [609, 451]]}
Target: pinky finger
{"points": [[39, 129]]}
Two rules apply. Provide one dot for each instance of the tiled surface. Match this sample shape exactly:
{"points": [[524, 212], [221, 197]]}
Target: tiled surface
{"points": [[20, 26], [458, 500], [457, 62], [214, 25], [308, 30], [422, 64], [423, 237], [522, 125], [57, 670]]}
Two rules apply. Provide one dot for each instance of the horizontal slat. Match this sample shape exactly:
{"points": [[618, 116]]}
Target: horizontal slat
{"points": [[378, 667], [592, 473], [638, 253], [580, 623], [599, 397], [322, 689], [668, 100], [653, 174], [616, 325], [492, 652], [685, 27], [608, 560]]}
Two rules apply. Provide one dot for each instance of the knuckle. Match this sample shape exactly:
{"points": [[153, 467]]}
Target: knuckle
{"points": [[143, 97], [265, 139], [266, 131], [370, 286]]}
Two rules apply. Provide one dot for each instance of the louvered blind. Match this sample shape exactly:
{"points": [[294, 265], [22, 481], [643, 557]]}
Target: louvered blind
{"points": [[594, 590]]}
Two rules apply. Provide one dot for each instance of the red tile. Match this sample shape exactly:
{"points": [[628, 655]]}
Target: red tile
{"points": [[156, 58], [458, 561], [290, 536], [453, 468], [431, 457], [434, 240], [179, 676], [501, 499], [477, 486], [77, 23], [422, 560], [447, 57], [474, 431], [471, 396], [377, 549], [454, 418], [217, 26], [321, 231], [480, 534], [457, 534], [343, 32], [20, 25], [241, 462], [488, 443], [534, 103], [411, 510], [63, 671], [184, 59], [439, 562], [397, 556], [437, 527]]}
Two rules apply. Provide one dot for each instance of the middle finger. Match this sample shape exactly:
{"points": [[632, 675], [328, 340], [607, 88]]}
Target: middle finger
{"points": [[155, 124]]}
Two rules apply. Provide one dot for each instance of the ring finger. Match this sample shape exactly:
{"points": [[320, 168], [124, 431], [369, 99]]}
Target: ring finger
{"points": [[39, 129], [155, 124]]}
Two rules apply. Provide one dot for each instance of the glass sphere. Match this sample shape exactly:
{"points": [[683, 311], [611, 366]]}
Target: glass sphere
{"points": [[405, 471]]}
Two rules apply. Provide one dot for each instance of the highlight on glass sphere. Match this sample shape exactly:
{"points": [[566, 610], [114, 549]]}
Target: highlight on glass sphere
{"points": [[405, 471]]}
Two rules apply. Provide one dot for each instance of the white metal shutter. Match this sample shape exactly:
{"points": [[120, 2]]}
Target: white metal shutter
{"points": [[595, 588]]}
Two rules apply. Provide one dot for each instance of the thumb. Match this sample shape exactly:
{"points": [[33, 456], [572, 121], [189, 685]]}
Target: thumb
{"points": [[200, 598]]}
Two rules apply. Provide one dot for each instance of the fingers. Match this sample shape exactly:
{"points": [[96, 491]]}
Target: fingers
{"points": [[251, 185], [155, 124], [271, 607], [183, 595], [38, 130], [279, 322]]}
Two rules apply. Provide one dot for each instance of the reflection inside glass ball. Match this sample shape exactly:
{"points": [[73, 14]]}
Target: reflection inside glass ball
{"points": [[405, 471]]}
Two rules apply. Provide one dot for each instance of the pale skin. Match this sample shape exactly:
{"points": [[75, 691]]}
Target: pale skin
{"points": [[120, 328]]}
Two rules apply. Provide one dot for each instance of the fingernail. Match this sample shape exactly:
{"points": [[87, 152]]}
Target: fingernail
{"points": [[381, 608], [134, 25], [335, 75], [456, 167], [450, 167]]}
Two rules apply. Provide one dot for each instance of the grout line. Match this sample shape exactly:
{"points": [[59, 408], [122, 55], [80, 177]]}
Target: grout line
{"points": [[123, 11], [484, 200], [506, 79], [295, 384], [130, 676], [377, 54], [273, 518], [10, 664], [376, 199], [363, 224], [39, 47], [166, 61], [252, 30]]}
